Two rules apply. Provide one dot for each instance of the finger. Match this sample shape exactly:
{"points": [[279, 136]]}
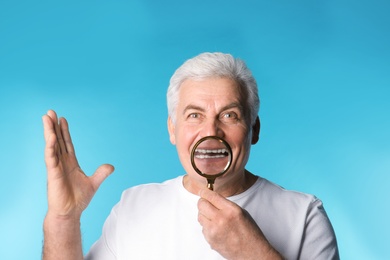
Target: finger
{"points": [[101, 174], [66, 135], [48, 126], [51, 158], [214, 198], [60, 139], [203, 220], [206, 210], [55, 127]]}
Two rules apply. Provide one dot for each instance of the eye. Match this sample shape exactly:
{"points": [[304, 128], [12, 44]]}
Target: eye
{"points": [[230, 116], [193, 115]]}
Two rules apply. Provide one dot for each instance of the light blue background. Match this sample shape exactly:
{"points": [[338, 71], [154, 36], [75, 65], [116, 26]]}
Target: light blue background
{"points": [[323, 73]]}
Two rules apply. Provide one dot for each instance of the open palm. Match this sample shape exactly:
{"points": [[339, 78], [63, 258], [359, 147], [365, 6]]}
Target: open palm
{"points": [[69, 189]]}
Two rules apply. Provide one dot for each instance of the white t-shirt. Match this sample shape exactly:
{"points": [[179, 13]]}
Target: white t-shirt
{"points": [[160, 221]]}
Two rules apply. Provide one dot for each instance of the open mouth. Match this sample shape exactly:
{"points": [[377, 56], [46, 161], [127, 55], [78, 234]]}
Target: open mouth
{"points": [[211, 153]]}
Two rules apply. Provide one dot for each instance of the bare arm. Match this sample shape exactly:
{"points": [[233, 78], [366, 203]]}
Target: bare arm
{"points": [[69, 191], [230, 230]]}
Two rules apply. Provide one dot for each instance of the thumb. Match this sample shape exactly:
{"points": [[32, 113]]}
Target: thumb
{"points": [[213, 197], [101, 174]]}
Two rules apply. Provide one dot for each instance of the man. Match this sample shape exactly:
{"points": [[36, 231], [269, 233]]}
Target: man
{"points": [[245, 217]]}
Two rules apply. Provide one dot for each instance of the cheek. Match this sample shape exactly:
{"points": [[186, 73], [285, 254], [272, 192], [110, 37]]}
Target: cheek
{"points": [[185, 138], [240, 142], [239, 134]]}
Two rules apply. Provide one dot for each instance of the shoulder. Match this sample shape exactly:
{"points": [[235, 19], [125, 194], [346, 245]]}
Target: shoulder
{"points": [[294, 222], [275, 192], [268, 191], [265, 194]]}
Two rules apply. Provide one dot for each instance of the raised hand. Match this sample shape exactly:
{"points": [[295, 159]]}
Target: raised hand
{"points": [[230, 230], [69, 189]]}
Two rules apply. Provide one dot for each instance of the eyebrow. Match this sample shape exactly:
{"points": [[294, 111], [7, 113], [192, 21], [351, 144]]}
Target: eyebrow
{"points": [[234, 105], [192, 107], [229, 106]]}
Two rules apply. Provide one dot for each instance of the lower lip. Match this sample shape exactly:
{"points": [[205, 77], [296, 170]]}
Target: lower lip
{"points": [[213, 165]]}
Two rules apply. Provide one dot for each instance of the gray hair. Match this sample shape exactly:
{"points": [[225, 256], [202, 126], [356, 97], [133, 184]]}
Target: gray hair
{"points": [[207, 65]]}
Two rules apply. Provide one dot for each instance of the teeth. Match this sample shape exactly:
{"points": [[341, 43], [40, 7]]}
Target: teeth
{"points": [[208, 153], [211, 151], [205, 156]]}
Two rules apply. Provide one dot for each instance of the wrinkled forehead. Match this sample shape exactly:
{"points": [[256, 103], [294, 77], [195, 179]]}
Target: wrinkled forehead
{"points": [[224, 91], [215, 87]]}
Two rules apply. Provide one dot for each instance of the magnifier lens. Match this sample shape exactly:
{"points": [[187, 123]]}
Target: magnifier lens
{"points": [[211, 157]]}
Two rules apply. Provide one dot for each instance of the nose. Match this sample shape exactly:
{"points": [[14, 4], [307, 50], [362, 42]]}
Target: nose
{"points": [[211, 128]]}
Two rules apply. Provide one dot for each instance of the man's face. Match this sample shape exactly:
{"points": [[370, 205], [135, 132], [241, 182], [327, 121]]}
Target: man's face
{"points": [[211, 107]]}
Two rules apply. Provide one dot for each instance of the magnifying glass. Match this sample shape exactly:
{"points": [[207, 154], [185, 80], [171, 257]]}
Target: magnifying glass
{"points": [[211, 157]]}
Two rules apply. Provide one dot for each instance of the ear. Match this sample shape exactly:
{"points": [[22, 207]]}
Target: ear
{"points": [[256, 131], [171, 131]]}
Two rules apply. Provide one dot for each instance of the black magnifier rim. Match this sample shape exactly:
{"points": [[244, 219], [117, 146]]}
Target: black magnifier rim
{"points": [[211, 176]]}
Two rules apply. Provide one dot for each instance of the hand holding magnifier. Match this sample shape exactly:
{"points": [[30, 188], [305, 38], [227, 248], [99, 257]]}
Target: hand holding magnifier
{"points": [[211, 157]]}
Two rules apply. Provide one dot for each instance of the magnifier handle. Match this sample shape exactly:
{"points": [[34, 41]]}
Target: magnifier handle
{"points": [[210, 184]]}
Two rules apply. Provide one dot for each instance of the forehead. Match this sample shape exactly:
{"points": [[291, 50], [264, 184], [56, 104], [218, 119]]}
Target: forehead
{"points": [[209, 89]]}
